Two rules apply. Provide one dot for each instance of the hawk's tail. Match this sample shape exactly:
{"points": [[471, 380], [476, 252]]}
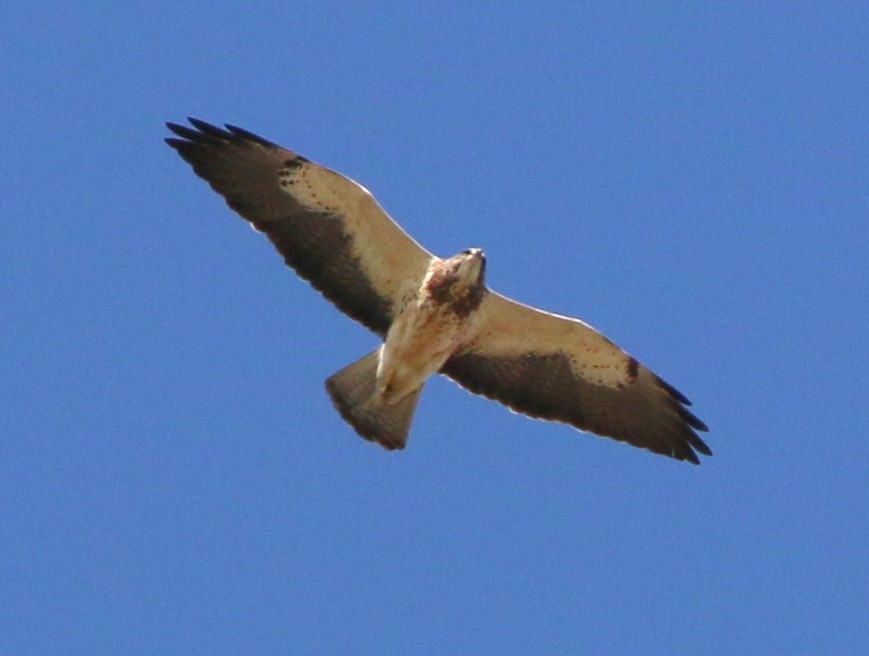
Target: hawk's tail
{"points": [[353, 392]]}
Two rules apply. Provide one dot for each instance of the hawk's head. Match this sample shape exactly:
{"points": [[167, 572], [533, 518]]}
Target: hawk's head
{"points": [[470, 266], [459, 280]]}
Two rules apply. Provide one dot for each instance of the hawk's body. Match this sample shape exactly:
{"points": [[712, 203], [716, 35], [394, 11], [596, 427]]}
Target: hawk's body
{"points": [[435, 315], [431, 324]]}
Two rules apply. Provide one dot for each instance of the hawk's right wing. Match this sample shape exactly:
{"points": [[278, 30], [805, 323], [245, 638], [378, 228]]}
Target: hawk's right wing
{"points": [[327, 227]]}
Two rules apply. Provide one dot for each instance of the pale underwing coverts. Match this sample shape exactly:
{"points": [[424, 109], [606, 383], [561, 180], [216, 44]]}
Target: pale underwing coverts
{"points": [[435, 315]]}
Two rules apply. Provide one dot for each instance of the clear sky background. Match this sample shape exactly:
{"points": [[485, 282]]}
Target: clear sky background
{"points": [[690, 178]]}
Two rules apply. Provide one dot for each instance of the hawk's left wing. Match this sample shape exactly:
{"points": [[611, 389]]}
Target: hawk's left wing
{"points": [[553, 367]]}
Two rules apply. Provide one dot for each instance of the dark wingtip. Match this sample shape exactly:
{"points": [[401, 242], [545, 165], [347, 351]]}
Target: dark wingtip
{"points": [[698, 444], [692, 420], [249, 136], [695, 441], [672, 391], [208, 129], [206, 132], [189, 135], [174, 127]]}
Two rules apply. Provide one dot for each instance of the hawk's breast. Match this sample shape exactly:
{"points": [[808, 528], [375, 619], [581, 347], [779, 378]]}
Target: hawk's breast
{"points": [[429, 327]]}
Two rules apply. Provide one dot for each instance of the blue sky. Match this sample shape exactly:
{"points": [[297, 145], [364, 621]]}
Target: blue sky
{"points": [[689, 178]]}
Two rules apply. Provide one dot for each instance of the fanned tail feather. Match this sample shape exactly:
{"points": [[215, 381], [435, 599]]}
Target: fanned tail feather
{"points": [[354, 393]]}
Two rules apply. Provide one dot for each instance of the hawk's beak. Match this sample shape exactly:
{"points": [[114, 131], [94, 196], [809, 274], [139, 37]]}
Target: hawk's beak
{"points": [[477, 262]]}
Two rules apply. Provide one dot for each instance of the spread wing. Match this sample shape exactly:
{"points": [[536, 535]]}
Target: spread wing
{"points": [[558, 368], [326, 227]]}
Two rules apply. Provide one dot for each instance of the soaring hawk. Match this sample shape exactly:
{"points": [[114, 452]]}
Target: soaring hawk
{"points": [[435, 315]]}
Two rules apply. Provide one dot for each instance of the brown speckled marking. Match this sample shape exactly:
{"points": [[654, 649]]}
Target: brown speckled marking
{"points": [[441, 288], [633, 369], [440, 282], [469, 302]]}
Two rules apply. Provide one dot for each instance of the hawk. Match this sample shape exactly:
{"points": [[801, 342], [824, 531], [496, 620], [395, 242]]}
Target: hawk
{"points": [[434, 315]]}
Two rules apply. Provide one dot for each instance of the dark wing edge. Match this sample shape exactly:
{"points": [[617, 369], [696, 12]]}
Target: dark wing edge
{"points": [[540, 382], [333, 248]]}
